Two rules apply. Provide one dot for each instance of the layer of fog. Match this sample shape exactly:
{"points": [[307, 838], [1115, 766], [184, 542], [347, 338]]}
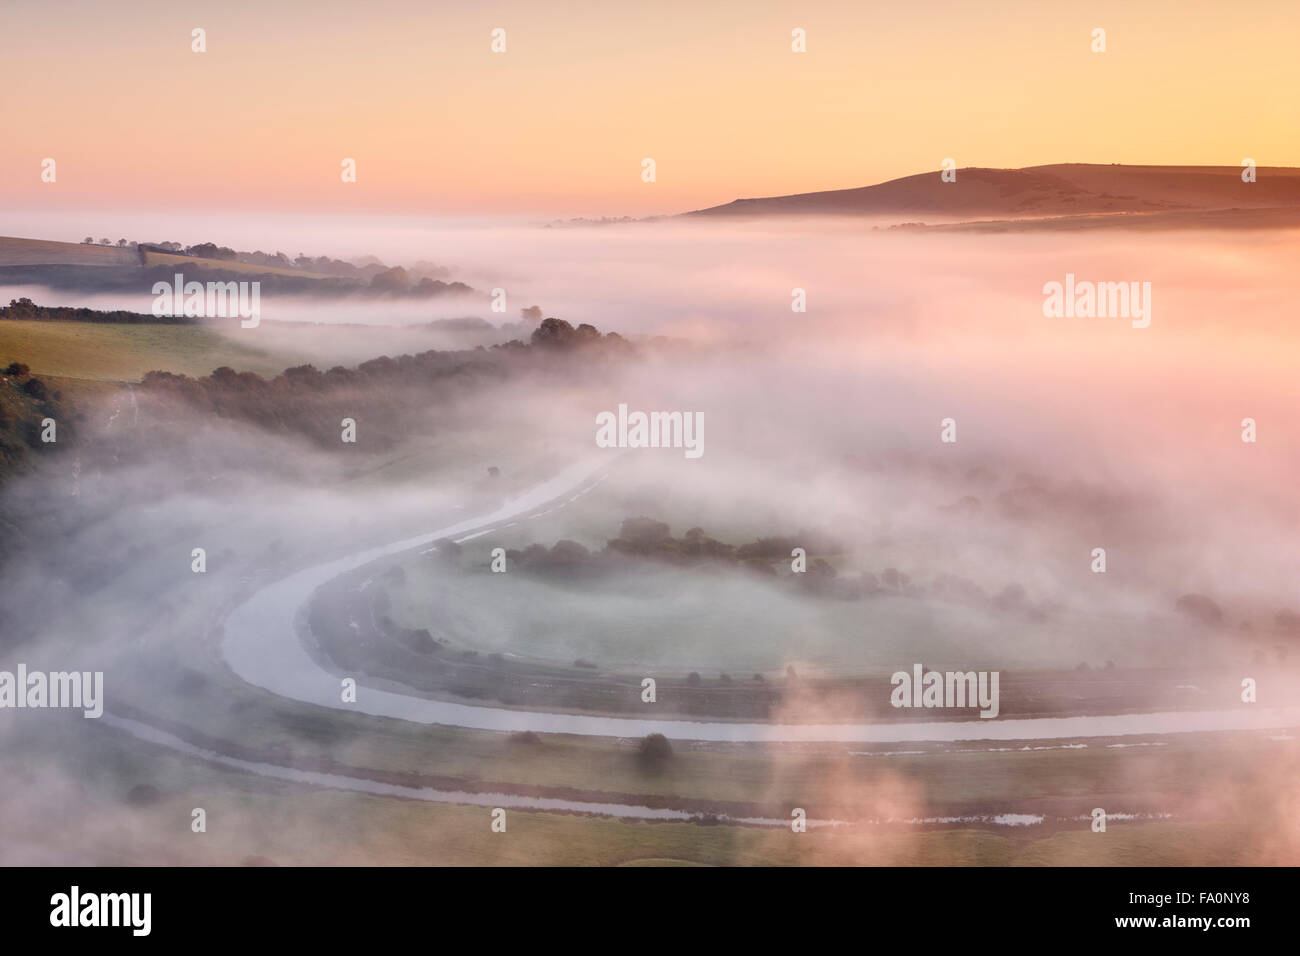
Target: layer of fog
{"points": [[1116, 437], [1101, 434]]}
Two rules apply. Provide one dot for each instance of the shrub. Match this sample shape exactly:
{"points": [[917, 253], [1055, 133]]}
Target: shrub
{"points": [[655, 748]]}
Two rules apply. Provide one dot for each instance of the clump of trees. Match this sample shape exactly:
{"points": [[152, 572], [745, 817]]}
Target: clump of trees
{"points": [[421, 279], [646, 538], [556, 333], [654, 749], [25, 402], [26, 309]]}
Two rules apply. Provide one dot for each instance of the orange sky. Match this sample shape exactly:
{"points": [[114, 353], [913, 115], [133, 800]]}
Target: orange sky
{"points": [[559, 123]]}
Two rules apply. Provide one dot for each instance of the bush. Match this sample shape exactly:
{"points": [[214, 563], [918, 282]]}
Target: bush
{"points": [[655, 748], [1200, 607]]}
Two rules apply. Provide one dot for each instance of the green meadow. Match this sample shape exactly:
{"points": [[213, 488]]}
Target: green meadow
{"points": [[124, 352]]}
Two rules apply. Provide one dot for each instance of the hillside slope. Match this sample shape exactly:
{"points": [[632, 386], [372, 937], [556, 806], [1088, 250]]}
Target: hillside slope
{"points": [[1061, 190]]}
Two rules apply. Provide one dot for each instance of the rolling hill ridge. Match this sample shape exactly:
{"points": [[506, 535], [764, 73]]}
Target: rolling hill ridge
{"points": [[1064, 190]]}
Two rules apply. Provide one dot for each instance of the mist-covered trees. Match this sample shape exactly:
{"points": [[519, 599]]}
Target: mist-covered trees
{"points": [[25, 309], [420, 280], [386, 391], [556, 333]]}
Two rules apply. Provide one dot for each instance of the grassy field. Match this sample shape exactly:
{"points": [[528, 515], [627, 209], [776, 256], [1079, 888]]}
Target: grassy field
{"points": [[124, 352], [40, 252], [824, 779], [681, 620], [678, 620], [254, 820]]}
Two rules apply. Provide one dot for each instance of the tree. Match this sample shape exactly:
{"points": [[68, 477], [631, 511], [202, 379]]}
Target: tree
{"points": [[395, 279], [554, 333], [88, 241], [210, 250], [1200, 607], [655, 748]]}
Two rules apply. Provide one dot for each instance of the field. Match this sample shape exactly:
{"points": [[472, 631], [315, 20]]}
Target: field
{"points": [[257, 819], [251, 820], [683, 619], [123, 352], [41, 252], [679, 620]]}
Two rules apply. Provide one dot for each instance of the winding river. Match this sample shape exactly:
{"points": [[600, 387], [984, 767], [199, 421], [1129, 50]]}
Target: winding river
{"points": [[261, 646]]}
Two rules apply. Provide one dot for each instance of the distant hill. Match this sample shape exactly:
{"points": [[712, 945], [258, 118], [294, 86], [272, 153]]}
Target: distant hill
{"points": [[1064, 190]]}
